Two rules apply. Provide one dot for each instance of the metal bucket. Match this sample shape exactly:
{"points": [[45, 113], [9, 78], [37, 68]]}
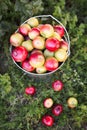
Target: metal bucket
{"points": [[48, 18]]}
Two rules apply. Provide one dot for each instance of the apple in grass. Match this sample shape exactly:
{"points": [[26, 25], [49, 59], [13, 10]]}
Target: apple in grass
{"points": [[30, 90], [36, 59], [24, 29], [48, 120], [72, 102], [48, 103], [19, 54], [46, 30], [33, 22], [59, 29], [57, 85], [16, 39], [57, 109], [52, 44], [39, 43], [51, 63], [26, 66], [33, 33], [61, 55], [28, 45]]}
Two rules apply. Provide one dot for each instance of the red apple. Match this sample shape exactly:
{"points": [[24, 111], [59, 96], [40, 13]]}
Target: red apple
{"points": [[39, 43], [64, 45], [30, 90], [28, 45], [26, 66], [33, 33], [19, 54], [51, 63], [24, 29], [52, 44], [59, 29], [48, 120], [36, 59], [61, 55], [46, 30], [16, 39], [57, 109], [57, 85], [48, 102], [33, 22]]}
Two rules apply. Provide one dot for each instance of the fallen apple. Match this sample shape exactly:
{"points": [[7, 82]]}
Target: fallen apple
{"points": [[48, 120], [31, 90], [57, 85], [48, 102], [72, 102], [57, 109]]}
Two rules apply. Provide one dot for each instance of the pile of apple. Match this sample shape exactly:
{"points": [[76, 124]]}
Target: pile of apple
{"points": [[39, 48], [56, 109]]}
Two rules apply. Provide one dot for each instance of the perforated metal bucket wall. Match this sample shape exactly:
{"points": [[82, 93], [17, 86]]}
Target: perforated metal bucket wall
{"points": [[45, 18]]}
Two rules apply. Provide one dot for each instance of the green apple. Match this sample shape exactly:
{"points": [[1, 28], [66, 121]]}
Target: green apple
{"points": [[48, 53], [72, 102], [28, 45], [33, 22]]}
